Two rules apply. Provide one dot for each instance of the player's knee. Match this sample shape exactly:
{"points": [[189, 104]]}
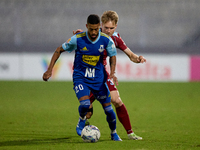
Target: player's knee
{"points": [[116, 101], [84, 107], [110, 113], [85, 103]]}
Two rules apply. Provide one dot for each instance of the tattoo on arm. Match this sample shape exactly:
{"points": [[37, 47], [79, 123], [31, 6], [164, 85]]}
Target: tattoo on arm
{"points": [[59, 50]]}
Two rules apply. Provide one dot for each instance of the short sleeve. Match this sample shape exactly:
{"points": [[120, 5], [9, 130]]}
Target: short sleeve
{"points": [[70, 44], [111, 49]]}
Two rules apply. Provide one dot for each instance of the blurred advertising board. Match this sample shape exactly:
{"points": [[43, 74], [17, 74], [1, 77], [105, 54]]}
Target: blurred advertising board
{"points": [[31, 66]]}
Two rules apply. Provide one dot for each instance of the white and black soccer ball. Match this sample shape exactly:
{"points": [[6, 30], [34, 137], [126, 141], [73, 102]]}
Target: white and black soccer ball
{"points": [[90, 133]]}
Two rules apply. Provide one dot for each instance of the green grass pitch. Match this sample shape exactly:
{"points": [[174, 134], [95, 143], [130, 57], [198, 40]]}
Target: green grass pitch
{"points": [[43, 116]]}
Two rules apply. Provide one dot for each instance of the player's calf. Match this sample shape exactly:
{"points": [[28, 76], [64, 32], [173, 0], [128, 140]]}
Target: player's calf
{"points": [[111, 117]]}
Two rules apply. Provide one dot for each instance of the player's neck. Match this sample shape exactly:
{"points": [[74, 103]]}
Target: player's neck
{"points": [[92, 39]]}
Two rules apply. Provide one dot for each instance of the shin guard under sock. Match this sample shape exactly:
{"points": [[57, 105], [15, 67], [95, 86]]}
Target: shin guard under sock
{"points": [[84, 107], [111, 117]]}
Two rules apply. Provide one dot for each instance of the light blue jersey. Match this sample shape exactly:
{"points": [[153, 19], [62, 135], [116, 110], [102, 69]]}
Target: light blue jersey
{"points": [[71, 44]]}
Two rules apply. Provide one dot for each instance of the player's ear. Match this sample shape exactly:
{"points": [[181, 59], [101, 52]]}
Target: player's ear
{"points": [[86, 26], [116, 26]]}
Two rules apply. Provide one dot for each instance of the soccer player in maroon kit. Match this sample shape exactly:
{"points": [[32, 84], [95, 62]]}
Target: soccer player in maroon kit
{"points": [[109, 21]]}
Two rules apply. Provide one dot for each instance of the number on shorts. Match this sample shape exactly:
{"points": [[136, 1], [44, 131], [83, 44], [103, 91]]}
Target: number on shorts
{"points": [[111, 82], [78, 87]]}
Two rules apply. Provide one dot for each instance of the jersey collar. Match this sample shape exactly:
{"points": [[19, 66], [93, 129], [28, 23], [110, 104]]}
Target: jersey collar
{"points": [[93, 42]]}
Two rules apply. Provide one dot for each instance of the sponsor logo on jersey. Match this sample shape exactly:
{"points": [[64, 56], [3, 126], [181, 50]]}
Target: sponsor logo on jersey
{"points": [[101, 49], [90, 72], [91, 60]]}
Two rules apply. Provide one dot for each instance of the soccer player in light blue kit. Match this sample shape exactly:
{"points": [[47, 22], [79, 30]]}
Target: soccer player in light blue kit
{"points": [[89, 72]]}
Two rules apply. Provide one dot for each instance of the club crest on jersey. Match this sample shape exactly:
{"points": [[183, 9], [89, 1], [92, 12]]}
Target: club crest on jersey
{"points": [[101, 49]]}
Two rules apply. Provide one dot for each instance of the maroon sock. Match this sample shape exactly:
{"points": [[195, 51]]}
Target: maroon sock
{"points": [[123, 117]]}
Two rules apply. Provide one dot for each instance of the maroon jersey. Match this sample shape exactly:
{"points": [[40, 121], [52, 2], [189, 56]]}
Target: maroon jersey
{"points": [[119, 43]]}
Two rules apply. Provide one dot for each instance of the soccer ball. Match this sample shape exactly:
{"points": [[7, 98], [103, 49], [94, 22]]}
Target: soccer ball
{"points": [[90, 133]]}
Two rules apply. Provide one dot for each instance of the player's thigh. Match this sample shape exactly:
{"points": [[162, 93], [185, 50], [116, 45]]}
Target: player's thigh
{"points": [[111, 85], [81, 90], [103, 95], [92, 97], [115, 98]]}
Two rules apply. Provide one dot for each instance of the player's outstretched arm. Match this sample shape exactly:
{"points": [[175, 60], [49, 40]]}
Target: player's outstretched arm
{"points": [[133, 57], [54, 58], [112, 69]]}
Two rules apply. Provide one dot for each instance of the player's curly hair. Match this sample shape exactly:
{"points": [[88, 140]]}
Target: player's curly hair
{"points": [[109, 16], [93, 19]]}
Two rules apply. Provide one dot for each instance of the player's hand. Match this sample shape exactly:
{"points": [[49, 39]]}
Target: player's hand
{"points": [[77, 31], [47, 75], [141, 59], [114, 78]]}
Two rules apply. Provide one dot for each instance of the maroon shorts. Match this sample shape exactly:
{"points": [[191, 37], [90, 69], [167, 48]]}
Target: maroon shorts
{"points": [[111, 87]]}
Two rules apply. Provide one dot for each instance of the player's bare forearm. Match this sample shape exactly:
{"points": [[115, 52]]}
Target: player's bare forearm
{"points": [[133, 57], [112, 64], [112, 69], [54, 58]]}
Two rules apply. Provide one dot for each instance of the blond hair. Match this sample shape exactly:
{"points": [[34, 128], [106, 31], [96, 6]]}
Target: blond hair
{"points": [[109, 16]]}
